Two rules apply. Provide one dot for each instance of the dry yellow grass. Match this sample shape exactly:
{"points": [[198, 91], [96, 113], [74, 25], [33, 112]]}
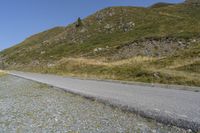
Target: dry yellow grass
{"points": [[180, 63], [170, 15], [83, 61], [103, 62], [2, 73], [132, 61], [186, 75]]}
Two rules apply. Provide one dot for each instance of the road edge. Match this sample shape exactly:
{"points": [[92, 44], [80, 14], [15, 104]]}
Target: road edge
{"points": [[181, 123]]}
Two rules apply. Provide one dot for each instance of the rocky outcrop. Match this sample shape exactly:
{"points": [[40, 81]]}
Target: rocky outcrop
{"points": [[127, 26], [193, 2], [153, 47]]}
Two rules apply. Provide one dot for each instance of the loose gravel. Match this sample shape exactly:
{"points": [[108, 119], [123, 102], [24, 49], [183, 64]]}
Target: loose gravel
{"points": [[27, 106]]}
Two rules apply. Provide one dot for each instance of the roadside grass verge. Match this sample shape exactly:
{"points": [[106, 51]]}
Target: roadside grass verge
{"points": [[181, 68], [194, 67], [2, 73], [139, 69]]}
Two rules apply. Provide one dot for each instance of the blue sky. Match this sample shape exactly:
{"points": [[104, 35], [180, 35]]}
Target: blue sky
{"points": [[21, 18]]}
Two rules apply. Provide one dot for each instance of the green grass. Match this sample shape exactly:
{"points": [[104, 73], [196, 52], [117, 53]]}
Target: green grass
{"points": [[160, 5]]}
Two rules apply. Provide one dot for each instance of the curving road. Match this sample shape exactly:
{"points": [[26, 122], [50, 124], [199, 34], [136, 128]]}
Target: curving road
{"points": [[169, 106]]}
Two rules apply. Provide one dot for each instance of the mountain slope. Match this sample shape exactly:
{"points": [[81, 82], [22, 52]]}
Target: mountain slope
{"points": [[115, 35]]}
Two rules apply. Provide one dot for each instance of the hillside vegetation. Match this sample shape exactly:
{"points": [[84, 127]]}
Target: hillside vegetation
{"points": [[158, 44]]}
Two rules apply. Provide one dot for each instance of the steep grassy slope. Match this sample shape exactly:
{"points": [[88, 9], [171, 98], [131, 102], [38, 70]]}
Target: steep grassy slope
{"points": [[127, 43]]}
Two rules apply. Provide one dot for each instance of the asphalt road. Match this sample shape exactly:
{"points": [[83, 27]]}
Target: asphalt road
{"points": [[170, 106]]}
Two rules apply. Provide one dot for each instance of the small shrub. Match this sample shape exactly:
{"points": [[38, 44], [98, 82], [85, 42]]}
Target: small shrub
{"points": [[79, 22]]}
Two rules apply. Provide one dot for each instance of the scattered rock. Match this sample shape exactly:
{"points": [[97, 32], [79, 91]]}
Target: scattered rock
{"points": [[108, 26], [42, 52], [156, 75], [98, 49], [83, 30], [45, 42], [151, 47], [128, 26], [50, 65], [99, 17]]}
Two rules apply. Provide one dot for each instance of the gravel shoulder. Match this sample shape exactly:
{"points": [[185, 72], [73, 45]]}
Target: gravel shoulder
{"points": [[27, 106], [169, 106]]}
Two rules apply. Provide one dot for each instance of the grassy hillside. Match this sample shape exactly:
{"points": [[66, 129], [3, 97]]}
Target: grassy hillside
{"points": [[160, 44]]}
